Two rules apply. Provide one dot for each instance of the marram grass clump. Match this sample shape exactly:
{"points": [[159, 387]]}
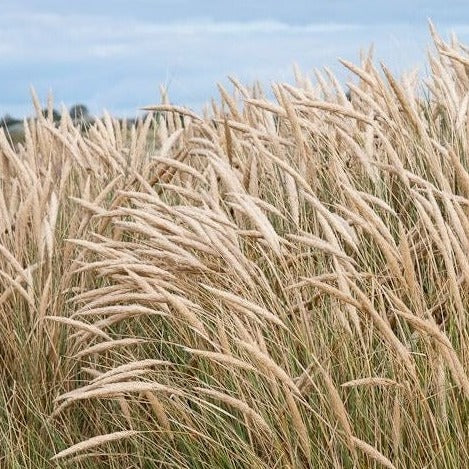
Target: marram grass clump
{"points": [[275, 284]]}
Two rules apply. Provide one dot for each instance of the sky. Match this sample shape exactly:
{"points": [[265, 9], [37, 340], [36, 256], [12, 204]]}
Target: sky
{"points": [[114, 54]]}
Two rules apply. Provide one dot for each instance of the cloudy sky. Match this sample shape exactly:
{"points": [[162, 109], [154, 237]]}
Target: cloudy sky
{"points": [[114, 54]]}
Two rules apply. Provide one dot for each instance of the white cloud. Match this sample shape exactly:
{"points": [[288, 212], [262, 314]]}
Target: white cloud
{"points": [[251, 27], [56, 36]]}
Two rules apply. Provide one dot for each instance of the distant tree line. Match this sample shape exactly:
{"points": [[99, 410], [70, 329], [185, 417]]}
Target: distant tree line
{"points": [[78, 112]]}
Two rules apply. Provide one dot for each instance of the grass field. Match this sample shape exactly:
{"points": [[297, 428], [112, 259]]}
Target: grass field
{"points": [[276, 284]]}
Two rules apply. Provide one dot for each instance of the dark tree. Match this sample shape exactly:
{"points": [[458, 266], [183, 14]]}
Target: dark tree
{"points": [[8, 120], [79, 112], [55, 114]]}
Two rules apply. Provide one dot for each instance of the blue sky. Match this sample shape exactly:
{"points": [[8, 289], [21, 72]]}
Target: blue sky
{"points": [[114, 54]]}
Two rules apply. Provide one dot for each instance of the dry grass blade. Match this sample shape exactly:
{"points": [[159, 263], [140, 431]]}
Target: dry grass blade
{"points": [[373, 453], [236, 300], [94, 442], [237, 404], [335, 108], [168, 108], [221, 358], [80, 325], [109, 345], [269, 365], [372, 381]]}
